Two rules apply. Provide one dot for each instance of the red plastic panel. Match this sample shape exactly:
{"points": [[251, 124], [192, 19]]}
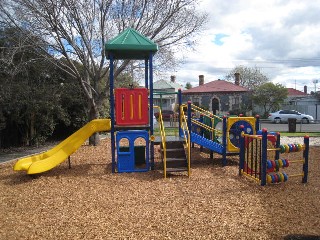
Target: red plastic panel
{"points": [[131, 106]]}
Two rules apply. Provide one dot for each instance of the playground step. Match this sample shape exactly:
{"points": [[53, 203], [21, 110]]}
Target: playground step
{"points": [[174, 144], [169, 139], [182, 169], [176, 162], [175, 152]]}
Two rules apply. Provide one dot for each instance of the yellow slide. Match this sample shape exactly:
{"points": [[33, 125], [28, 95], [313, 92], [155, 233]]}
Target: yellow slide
{"points": [[53, 157]]}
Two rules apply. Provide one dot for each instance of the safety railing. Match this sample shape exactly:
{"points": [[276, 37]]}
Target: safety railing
{"points": [[213, 131], [186, 136], [204, 112], [163, 141]]}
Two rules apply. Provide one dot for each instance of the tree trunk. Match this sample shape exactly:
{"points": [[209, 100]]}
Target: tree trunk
{"points": [[93, 114], [31, 137]]}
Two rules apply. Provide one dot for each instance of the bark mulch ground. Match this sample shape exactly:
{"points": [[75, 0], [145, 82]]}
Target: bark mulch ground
{"points": [[89, 202]]}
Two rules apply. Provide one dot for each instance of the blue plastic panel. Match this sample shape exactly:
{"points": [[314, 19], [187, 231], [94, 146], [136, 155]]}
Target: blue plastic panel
{"points": [[126, 155]]}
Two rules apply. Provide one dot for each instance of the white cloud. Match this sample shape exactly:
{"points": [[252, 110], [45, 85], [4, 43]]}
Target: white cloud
{"points": [[280, 37]]}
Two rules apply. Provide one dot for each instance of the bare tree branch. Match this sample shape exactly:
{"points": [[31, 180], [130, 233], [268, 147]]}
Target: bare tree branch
{"points": [[77, 31]]}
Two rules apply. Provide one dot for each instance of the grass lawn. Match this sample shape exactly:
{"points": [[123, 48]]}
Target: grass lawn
{"points": [[174, 131], [300, 134]]}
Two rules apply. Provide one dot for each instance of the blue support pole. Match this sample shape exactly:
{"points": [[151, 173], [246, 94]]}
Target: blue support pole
{"points": [[257, 123], [264, 157], [151, 109], [146, 73], [179, 114], [224, 141], [201, 131], [277, 155], [306, 159], [113, 147], [242, 153]]}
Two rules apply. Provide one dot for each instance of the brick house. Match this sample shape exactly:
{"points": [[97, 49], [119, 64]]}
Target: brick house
{"points": [[162, 96], [220, 96]]}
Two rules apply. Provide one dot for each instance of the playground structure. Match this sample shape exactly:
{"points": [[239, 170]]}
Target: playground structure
{"points": [[132, 114], [132, 130], [131, 123], [132, 118], [255, 154]]}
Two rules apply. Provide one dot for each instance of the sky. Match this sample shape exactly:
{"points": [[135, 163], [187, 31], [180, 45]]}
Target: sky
{"points": [[280, 37]]}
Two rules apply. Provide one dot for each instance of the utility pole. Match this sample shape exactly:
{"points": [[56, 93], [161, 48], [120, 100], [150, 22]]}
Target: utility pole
{"points": [[315, 81]]}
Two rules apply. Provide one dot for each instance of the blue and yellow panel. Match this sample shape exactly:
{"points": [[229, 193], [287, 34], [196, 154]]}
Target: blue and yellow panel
{"points": [[234, 131]]}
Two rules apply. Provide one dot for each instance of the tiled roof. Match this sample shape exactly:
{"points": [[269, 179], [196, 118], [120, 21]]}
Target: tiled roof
{"points": [[163, 84], [294, 92], [215, 87]]}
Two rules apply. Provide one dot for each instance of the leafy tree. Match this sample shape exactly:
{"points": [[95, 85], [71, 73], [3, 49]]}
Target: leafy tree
{"points": [[270, 96], [250, 77], [188, 85], [78, 30], [34, 95]]}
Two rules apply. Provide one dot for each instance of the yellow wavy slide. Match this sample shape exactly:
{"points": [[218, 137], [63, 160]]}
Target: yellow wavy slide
{"points": [[53, 157]]}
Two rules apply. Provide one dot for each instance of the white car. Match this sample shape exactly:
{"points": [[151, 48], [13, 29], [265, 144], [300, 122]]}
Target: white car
{"points": [[284, 115]]}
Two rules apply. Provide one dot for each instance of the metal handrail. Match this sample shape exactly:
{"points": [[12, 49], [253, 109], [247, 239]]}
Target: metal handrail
{"points": [[184, 127], [200, 124], [163, 141], [209, 115], [204, 112]]}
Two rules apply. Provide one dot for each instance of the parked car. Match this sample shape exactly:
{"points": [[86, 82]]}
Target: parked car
{"points": [[284, 115], [166, 115]]}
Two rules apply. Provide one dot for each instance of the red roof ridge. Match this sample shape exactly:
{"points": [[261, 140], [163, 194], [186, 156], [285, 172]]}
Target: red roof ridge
{"points": [[295, 92], [217, 86]]}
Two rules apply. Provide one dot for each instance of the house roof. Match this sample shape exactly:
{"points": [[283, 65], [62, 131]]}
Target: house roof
{"points": [[163, 84], [130, 44], [294, 92], [216, 87]]}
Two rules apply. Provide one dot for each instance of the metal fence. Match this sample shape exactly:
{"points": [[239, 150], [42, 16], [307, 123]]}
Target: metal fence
{"points": [[312, 110], [284, 127]]}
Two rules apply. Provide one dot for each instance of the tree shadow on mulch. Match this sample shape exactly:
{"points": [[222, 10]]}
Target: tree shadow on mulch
{"points": [[301, 237], [150, 175], [17, 178]]}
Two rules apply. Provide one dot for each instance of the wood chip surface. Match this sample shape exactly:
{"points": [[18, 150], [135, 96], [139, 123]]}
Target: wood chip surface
{"points": [[89, 202]]}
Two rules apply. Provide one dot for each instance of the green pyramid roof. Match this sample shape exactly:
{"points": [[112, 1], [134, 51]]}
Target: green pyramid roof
{"points": [[130, 45]]}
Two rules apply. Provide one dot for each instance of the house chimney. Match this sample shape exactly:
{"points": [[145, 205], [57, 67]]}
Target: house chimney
{"points": [[237, 79], [173, 78], [305, 89], [201, 80]]}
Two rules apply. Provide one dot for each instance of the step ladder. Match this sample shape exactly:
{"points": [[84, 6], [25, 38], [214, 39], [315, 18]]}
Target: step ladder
{"points": [[176, 160]]}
